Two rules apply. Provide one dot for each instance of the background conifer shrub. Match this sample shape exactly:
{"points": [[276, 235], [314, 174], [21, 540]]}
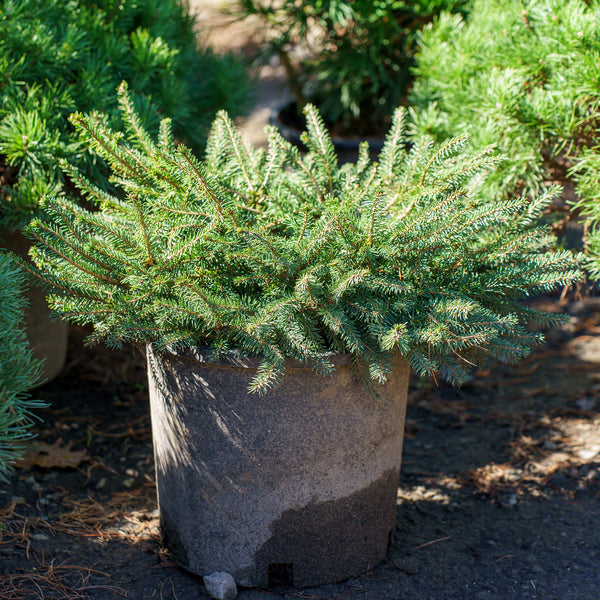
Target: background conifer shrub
{"points": [[59, 56], [279, 254], [19, 372], [522, 74], [355, 56]]}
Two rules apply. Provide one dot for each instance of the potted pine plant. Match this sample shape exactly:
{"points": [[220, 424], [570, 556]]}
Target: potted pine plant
{"points": [[282, 299]]}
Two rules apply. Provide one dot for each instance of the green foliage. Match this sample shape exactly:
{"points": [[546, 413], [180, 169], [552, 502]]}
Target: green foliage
{"points": [[522, 74], [360, 53], [58, 56], [589, 205], [279, 254], [19, 372]]}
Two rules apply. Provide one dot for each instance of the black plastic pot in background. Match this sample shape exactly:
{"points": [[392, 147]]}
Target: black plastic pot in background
{"points": [[290, 124]]}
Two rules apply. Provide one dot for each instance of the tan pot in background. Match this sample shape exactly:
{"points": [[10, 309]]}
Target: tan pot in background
{"points": [[47, 337]]}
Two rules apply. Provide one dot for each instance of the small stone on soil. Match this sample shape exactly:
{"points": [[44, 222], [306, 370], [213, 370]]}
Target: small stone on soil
{"points": [[220, 586]]}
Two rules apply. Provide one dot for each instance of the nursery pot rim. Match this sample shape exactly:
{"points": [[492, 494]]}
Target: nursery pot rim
{"points": [[239, 360]]}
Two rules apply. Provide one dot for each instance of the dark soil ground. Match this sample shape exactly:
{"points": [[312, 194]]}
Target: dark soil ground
{"points": [[499, 495]]}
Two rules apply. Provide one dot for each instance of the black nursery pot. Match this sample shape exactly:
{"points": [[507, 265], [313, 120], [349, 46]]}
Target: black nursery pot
{"points": [[290, 124], [296, 487]]}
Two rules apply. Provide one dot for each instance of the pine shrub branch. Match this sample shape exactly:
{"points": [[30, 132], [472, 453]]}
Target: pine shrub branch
{"points": [[19, 371]]}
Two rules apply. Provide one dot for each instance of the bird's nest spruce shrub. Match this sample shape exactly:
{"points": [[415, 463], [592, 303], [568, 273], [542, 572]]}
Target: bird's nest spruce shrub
{"points": [[284, 255]]}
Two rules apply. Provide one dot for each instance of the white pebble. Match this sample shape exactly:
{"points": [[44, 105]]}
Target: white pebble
{"points": [[220, 586], [589, 453]]}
